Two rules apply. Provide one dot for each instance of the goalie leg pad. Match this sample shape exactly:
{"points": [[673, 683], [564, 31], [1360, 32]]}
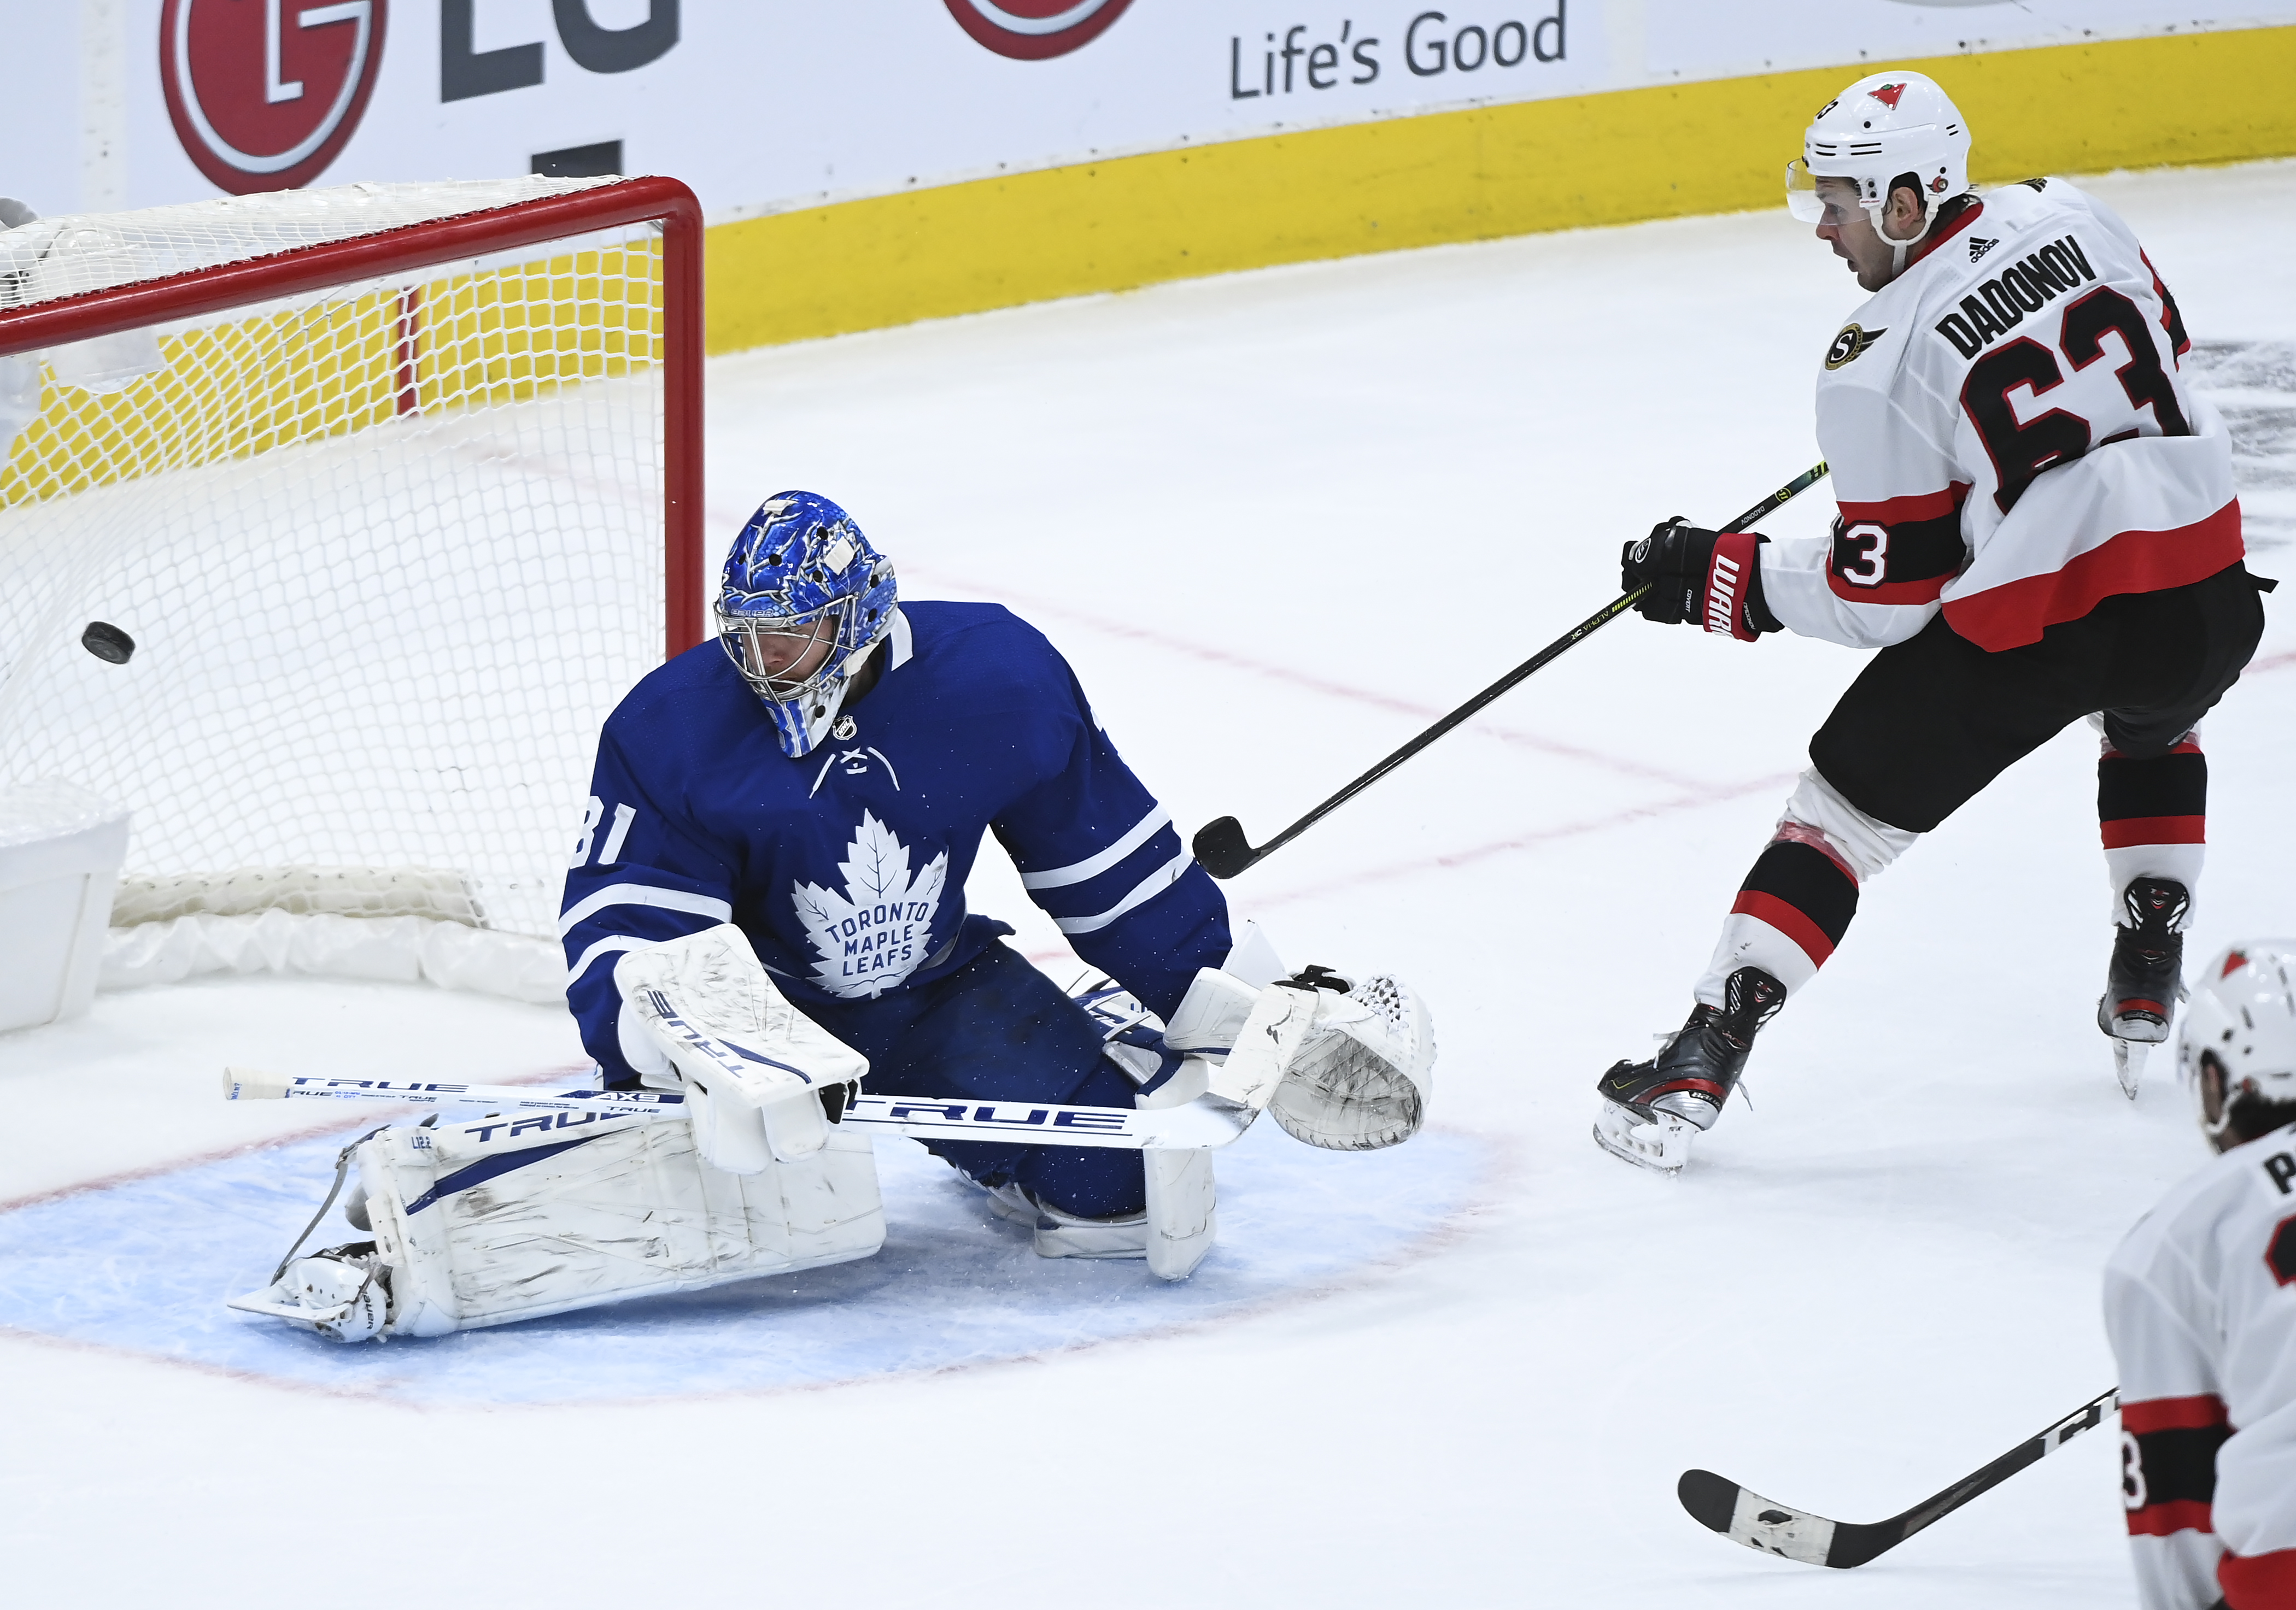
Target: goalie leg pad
{"points": [[478, 1224]]}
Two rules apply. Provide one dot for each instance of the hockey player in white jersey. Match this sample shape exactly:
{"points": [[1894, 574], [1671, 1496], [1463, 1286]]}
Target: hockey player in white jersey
{"points": [[765, 907], [2037, 525], [2200, 1302]]}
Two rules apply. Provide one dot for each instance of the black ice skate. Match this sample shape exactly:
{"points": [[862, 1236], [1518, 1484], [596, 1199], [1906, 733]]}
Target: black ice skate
{"points": [[1652, 1109], [2145, 979]]}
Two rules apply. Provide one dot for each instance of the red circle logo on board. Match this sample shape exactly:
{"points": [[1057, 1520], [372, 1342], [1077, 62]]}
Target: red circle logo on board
{"points": [[265, 93], [1035, 30]]}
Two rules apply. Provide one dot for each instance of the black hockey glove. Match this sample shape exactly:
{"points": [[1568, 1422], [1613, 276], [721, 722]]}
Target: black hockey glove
{"points": [[1707, 578]]}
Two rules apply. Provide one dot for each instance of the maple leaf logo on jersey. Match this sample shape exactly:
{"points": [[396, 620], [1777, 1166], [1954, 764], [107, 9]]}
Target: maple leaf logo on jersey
{"points": [[870, 937], [1851, 345], [1978, 246], [1887, 95]]}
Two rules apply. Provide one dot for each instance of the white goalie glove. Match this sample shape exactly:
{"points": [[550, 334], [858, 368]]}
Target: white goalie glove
{"points": [[761, 1079], [1346, 1067]]}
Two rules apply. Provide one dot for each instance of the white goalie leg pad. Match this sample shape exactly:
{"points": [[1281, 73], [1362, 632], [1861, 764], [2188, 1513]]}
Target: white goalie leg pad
{"points": [[1348, 1072], [1182, 1222], [752, 1066], [520, 1217]]}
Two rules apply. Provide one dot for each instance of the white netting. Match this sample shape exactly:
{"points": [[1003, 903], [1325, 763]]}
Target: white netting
{"points": [[67, 257], [389, 553]]}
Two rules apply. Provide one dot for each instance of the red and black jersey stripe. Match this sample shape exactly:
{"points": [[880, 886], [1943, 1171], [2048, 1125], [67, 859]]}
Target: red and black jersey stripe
{"points": [[2163, 800], [2169, 1481], [1903, 550], [1803, 893]]}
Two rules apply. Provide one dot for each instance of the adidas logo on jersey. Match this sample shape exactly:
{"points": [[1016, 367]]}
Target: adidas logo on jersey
{"points": [[1978, 246]]}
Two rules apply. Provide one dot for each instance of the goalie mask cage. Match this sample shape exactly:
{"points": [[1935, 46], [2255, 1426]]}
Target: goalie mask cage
{"points": [[397, 490]]}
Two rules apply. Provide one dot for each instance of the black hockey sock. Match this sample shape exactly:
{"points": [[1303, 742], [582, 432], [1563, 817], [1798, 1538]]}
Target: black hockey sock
{"points": [[1804, 894], [2163, 800]]}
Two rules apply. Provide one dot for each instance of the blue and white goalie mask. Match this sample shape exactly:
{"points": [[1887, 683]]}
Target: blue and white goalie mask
{"points": [[804, 599]]}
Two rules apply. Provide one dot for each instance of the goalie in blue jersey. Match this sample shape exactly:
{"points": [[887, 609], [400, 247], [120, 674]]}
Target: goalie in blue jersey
{"points": [[765, 909], [820, 779]]}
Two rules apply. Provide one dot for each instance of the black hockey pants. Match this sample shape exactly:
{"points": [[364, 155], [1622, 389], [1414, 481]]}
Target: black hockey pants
{"points": [[1932, 719]]}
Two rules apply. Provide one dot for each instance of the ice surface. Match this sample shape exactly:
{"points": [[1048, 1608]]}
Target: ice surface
{"points": [[1279, 522], [953, 1284]]}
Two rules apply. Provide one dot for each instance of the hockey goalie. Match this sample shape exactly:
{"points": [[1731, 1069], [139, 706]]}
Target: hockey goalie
{"points": [[765, 909]]}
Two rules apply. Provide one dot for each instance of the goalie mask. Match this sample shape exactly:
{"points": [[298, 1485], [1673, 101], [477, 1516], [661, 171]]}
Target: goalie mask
{"points": [[2241, 1017], [804, 599]]}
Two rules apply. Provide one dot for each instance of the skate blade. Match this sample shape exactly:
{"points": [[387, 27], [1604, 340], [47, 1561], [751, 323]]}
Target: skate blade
{"points": [[2128, 1065], [1660, 1143]]}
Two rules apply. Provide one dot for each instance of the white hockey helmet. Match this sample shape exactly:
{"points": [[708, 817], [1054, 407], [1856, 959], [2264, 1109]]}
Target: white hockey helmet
{"points": [[2241, 1014], [1881, 127]]}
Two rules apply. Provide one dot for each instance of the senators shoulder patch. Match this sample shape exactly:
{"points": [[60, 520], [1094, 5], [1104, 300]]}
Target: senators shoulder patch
{"points": [[1851, 345]]}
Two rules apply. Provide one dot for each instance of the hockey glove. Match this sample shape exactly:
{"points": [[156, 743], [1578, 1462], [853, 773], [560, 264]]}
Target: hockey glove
{"points": [[763, 1082], [1711, 578]]}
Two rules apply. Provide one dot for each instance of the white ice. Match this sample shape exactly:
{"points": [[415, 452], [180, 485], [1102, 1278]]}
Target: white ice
{"points": [[1278, 521]]}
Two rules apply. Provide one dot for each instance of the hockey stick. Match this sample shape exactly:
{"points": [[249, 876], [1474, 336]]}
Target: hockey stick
{"points": [[1196, 1125], [1744, 1516], [1224, 850]]}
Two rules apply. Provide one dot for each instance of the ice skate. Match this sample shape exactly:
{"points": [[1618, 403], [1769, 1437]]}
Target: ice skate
{"points": [[1652, 1110], [2145, 978]]}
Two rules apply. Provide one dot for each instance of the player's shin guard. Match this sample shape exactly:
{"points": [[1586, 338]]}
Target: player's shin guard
{"points": [[2153, 815], [1791, 913]]}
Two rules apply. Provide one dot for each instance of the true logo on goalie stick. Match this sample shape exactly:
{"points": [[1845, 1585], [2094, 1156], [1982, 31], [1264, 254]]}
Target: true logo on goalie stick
{"points": [[1851, 345], [265, 93], [1036, 30]]}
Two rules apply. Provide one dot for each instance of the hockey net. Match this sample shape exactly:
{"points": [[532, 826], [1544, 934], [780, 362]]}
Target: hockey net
{"points": [[394, 489]]}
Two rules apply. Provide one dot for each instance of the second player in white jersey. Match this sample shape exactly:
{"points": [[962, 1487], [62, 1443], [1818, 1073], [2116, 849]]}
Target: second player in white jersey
{"points": [[2201, 1304]]}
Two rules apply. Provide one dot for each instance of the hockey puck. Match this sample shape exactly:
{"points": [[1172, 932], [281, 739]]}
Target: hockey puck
{"points": [[107, 642]]}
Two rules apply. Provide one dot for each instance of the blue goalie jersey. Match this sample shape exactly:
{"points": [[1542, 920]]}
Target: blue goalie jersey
{"points": [[847, 868]]}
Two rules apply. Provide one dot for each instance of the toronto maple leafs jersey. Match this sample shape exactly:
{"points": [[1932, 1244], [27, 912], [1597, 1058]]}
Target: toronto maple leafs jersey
{"points": [[2201, 1304], [847, 869], [2010, 438]]}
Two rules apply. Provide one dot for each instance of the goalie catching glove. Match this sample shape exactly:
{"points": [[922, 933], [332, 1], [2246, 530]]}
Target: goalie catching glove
{"points": [[763, 1082], [1343, 1067]]}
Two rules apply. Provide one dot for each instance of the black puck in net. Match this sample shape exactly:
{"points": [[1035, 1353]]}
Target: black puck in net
{"points": [[107, 642]]}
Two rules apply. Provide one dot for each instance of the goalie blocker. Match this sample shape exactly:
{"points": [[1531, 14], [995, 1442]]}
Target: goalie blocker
{"points": [[536, 1213]]}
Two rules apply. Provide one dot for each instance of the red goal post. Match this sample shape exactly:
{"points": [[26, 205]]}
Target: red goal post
{"points": [[388, 484], [653, 200]]}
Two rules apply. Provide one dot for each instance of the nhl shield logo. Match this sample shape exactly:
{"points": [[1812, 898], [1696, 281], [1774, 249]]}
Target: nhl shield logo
{"points": [[1036, 30], [263, 94]]}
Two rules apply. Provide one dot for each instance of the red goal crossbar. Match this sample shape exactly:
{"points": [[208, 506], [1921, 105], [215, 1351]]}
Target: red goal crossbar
{"points": [[425, 245]]}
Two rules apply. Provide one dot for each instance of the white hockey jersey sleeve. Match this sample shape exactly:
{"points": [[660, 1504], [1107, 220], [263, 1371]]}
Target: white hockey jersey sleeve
{"points": [[2201, 1307]]}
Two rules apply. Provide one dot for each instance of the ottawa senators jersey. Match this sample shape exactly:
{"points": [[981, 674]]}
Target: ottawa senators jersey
{"points": [[2200, 1302], [2010, 438]]}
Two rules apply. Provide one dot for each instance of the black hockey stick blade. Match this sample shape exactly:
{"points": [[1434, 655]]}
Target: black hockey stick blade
{"points": [[1745, 1517], [1221, 847]]}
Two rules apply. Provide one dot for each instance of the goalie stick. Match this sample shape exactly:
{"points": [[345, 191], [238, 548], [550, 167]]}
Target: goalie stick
{"points": [[1196, 1125], [1224, 850], [1745, 1517]]}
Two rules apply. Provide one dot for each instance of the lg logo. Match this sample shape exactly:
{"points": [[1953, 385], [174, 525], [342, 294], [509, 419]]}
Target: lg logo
{"points": [[1035, 30], [264, 95]]}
